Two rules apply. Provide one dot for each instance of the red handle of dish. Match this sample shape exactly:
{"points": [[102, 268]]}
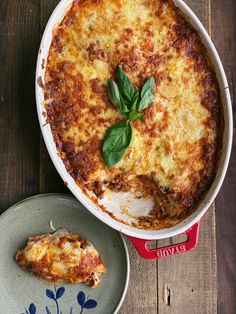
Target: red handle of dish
{"points": [[189, 244]]}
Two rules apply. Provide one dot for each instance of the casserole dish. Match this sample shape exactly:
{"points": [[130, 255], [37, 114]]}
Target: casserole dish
{"points": [[139, 207]]}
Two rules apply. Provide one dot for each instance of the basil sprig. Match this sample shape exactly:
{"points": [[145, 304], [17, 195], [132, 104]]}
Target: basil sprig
{"points": [[130, 102]]}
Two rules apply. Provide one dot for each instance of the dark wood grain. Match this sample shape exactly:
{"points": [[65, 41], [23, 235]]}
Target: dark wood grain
{"points": [[190, 280], [224, 37], [49, 180], [226, 240], [19, 137]]}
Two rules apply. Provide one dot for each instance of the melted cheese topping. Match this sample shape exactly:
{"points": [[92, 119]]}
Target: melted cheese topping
{"points": [[175, 147], [62, 256]]}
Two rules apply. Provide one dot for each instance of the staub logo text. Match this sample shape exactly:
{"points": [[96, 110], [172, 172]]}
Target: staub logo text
{"points": [[171, 250]]}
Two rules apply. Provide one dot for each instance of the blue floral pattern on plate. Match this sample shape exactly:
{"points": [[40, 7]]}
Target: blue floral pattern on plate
{"points": [[57, 294]]}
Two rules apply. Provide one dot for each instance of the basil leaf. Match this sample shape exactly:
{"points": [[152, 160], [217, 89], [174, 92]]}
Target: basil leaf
{"points": [[146, 94], [126, 88], [124, 105], [135, 102], [116, 141], [134, 115], [115, 96]]}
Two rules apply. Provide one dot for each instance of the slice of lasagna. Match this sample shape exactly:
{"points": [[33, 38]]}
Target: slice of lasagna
{"points": [[62, 256]]}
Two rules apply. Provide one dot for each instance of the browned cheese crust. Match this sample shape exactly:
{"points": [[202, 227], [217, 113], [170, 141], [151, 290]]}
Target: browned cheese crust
{"points": [[62, 256], [174, 152]]}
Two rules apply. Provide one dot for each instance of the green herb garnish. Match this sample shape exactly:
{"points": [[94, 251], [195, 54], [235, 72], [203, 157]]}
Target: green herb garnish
{"points": [[130, 102]]}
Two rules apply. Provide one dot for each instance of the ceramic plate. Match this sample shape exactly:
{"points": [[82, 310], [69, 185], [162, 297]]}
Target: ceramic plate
{"points": [[24, 293]]}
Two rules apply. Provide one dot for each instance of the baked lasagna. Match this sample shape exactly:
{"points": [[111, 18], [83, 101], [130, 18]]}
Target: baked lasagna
{"points": [[62, 256], [174, 151]]}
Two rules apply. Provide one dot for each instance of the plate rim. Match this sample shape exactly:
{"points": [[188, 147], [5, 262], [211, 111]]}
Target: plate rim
{"points": [[13, 207]]}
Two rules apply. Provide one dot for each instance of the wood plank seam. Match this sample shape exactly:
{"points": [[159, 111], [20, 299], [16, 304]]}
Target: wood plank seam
{"points": [[209, 17]]}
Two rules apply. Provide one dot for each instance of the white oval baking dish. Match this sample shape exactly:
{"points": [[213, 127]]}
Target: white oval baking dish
{"points": [[190, 224]]}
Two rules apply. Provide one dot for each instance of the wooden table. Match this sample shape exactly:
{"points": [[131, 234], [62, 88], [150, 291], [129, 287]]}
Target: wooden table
{"points": [[202, 281]]}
